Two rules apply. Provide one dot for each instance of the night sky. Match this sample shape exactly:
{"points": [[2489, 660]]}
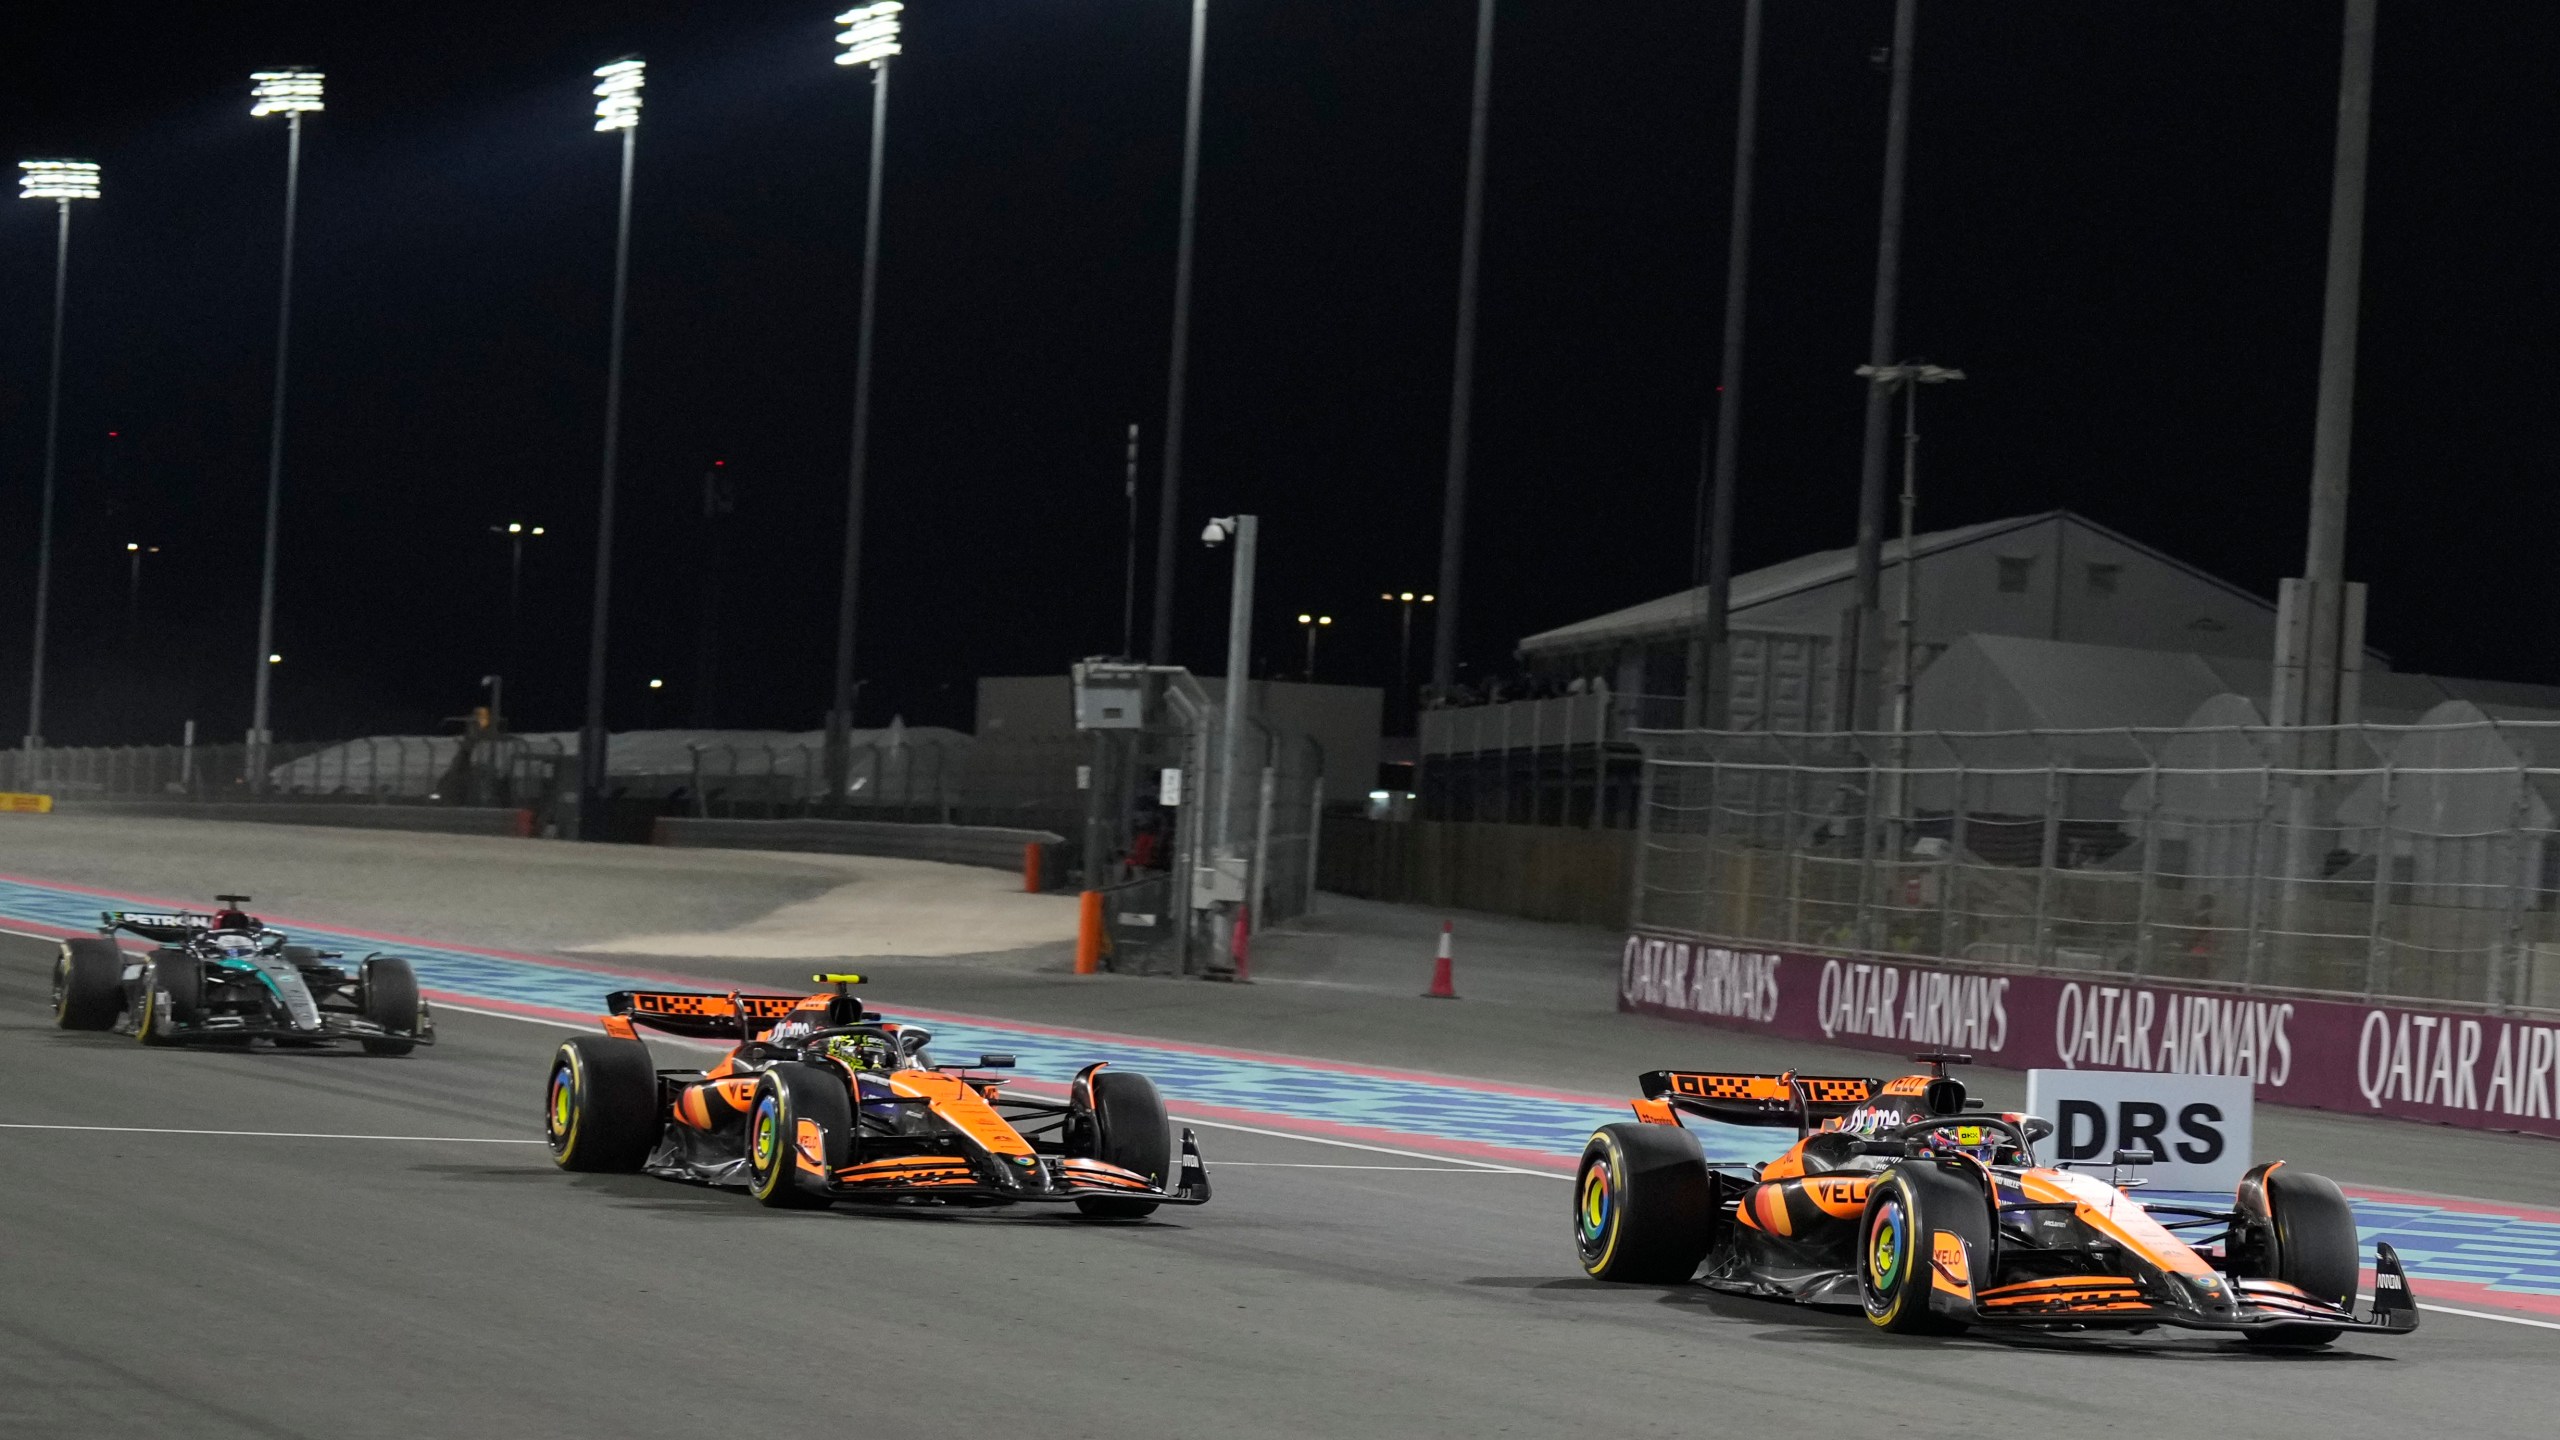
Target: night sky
{"points": [[2117, 228]]}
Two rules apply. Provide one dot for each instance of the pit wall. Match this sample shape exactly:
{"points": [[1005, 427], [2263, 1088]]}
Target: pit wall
{"points": [[421, 819], [2477, 1071]]}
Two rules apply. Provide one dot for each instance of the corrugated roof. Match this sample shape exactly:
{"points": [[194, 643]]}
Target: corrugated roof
{"points": [[1678, 613]]}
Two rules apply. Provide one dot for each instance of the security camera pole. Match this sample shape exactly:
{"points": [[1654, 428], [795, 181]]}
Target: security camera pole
{"points": [[1245, 529]]}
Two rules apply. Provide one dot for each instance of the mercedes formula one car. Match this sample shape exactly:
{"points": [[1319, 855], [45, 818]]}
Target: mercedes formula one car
{"points": [[1900, 1198], [822, 1100], [225, 977]]}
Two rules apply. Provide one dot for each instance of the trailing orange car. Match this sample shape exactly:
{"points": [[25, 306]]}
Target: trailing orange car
{"points": [[822, 1100], [1901, 1198]]}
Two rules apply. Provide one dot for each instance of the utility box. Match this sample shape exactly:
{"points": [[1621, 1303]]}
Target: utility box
{"points": [[1110, 697]]}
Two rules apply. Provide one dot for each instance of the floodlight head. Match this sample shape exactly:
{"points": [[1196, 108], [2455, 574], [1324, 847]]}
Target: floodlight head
{"points": [[132, 545], [618, 95], [1303, 619], [514, 528], [657, 684], [58, 180], [284, 92], [871, 34], [537, 529], [1218, 530]]}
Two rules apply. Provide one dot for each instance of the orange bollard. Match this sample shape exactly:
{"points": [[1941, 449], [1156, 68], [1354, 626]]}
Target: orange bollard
{"points": [[1031, 868], [1443, 984], [1240, 945], [1089, 933]]}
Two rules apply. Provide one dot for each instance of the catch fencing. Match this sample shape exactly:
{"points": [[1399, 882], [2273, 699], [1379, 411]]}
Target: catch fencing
{"points": [[502, 771], [2383, 862]]}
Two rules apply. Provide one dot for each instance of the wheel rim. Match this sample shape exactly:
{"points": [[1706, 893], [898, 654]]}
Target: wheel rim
{"points": [[563, 1111], [1888, 1249], [1597, 1210], [766, 1132]]}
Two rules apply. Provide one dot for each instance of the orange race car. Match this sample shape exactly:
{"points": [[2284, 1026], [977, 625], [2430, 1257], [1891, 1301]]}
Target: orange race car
{"points": [[1901, 1198], [822, 1100]]}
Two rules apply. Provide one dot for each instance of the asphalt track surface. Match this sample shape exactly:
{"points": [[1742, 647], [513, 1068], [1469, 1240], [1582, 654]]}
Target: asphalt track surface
{"points": [[396, 1256]]}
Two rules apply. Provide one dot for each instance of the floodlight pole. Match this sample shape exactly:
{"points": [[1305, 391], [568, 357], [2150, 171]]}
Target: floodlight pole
{"points": [[592, 738], [1169, 504], [1857, 695], [260, 737], [1462, 382], [840, 714], [52, 445], [1708, 695]]}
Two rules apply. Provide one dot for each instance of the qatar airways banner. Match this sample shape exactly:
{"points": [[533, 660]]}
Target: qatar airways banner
{"points": [[2481, 1071]]}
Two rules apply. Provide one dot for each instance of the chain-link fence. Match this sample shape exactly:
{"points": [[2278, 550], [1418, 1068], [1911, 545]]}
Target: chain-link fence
{"points": [[445, 769], [2386, 861]]}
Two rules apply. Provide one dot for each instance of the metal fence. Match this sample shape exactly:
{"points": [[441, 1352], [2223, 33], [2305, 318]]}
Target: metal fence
{"points": [[2414, 862], [387, 769], [1028, 783]]}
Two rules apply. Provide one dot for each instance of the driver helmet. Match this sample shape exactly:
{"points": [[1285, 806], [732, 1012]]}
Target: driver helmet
{"points": [[863, 1053], [1983, 1142], [232, 919]]}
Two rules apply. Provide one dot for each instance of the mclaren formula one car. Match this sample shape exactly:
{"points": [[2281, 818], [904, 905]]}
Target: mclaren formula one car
{"points": [[1901, 1199], [822, 1100], [225, 977]]}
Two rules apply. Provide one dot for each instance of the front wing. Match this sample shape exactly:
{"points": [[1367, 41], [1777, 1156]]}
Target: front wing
{"points": [[1054, 1179], [2131, 1301]]}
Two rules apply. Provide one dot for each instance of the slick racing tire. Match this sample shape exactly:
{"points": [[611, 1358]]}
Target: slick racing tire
{"points": [[2306, 1237], [1132, 1131], [172, 995], [387, 995], [1644, 1206], [88, 985], [787, 1097], [600, 1108], [1906, 1208]]}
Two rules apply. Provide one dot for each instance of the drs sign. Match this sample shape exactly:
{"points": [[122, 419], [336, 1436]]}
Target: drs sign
{"points": [[2196, 1125]]}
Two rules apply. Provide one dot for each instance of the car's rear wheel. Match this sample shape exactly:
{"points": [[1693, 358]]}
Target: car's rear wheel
{"points": [[786, 1097], [1132, 1131], [387, 995], [1906, 1209], [172, 997], [2304, 1234], [600, 1109], [1644, 1205], [88, 984]]}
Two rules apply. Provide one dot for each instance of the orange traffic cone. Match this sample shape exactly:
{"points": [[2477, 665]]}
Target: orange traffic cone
{"points": [[1442, 983]]}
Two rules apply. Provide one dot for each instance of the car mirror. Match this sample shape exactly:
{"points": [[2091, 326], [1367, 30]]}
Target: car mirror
{"points": [[995, 1062], [2135, 1157], [2037, 1128]]}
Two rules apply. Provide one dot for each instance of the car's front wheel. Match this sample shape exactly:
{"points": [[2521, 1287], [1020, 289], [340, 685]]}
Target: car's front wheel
{"points": [[1644, 1205], [1907, 1209], [172, 994], [1131, 1130], [2298, 1229], [387, 994], [787, 1098]]}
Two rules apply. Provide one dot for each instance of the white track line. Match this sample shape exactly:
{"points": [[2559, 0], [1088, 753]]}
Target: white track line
{"points": [[1308, 1165], [2488, 1315], [277, 1134], [1457, 1160]]}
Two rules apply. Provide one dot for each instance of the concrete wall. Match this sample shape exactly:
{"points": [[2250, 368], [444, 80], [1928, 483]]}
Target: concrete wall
{"points": [[435, 819], [994, 847]]}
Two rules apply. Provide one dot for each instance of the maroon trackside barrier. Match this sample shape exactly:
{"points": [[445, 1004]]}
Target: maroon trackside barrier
{"points": [[2483, 1072]]}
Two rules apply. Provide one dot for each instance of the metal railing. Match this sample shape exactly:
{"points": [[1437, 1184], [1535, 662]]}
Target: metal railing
{"points": [[381, 769], [2406, 862]]}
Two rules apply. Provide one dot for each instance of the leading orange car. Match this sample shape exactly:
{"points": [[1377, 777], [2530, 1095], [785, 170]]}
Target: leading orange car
{"points": [[1929, 1215], [822, 1100]]}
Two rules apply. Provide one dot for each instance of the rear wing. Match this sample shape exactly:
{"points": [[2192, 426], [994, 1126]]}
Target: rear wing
{"points": [[169, 927], [1807, 1102], [702, 1016]]}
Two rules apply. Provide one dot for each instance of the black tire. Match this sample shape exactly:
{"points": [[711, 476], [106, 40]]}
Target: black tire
{"points": [[786, 1096], [88, 984], [172, 997], [387, 995], [600, 1108], [1644, 1206], [2301, 1232], [1906, 1208], [1130, 1130]]}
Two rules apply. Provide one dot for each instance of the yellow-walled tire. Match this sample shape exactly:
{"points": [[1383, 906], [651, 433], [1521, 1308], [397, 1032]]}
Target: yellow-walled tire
{"points": [[1644, 1206], [600, 1106], [773, 1125]]}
